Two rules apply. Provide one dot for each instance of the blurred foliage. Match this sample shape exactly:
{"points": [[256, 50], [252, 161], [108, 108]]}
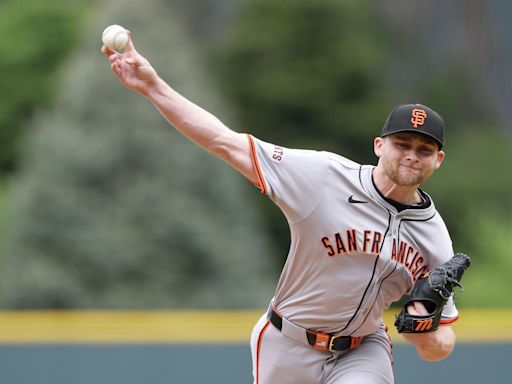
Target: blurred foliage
{"points": [[469, 181], [113, 208], [472, 192], [35, 36], [487, 282], [3, 216], [306, 74], [324, 75]]}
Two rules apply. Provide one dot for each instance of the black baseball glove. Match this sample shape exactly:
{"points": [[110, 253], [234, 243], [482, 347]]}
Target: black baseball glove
{"points": [[433, 290]]}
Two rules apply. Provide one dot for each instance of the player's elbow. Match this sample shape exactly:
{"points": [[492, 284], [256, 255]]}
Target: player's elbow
{"points": [[230, 146], [220, 147]]}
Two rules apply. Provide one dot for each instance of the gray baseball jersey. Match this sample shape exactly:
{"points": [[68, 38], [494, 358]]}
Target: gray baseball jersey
{"points": [[352, 252]]}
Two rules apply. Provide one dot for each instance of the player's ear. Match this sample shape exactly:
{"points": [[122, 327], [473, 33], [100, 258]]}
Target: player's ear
{"points": [[378, 143], [440, 157]]}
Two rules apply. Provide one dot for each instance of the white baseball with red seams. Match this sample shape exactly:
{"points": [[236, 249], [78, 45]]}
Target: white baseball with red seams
{"points": [[115, 37], [352, 254]]}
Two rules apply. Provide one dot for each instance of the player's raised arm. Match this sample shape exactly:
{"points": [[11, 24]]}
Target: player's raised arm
{"points": [[136, 73]]}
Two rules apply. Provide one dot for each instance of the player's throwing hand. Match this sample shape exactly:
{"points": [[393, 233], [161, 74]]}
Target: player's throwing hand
{"points": [[132, 69]]}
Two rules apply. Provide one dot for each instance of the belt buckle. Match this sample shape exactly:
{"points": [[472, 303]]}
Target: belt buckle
{"points": [[331, 345], [355, 341]]}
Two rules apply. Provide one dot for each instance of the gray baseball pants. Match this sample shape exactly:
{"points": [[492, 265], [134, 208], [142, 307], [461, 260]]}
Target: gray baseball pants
{"points": [[278, 359]]}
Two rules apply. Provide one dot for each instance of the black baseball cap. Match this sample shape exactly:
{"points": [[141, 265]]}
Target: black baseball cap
{"points": [[415, 118]]}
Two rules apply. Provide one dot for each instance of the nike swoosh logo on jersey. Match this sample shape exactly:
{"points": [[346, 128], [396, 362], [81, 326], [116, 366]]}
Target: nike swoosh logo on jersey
{"points": [[354, 201]]}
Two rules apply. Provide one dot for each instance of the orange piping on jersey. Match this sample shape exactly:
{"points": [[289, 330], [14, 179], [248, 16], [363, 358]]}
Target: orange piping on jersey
{"points": [[448, 321], [258, 348], [261, 181]]}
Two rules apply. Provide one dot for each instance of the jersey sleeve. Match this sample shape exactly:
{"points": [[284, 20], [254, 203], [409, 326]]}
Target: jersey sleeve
{"points": [[292, 178], [450, 313]]}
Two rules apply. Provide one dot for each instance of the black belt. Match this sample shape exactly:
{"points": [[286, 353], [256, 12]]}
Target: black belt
{"points": [[318, 340]]}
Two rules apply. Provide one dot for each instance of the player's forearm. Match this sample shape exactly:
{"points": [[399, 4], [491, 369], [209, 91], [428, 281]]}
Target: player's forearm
{"points": [[202, 128], [433, 346], [194, 122]]}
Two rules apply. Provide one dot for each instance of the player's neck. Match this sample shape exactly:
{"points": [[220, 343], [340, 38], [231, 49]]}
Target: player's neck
{"points": [[407, 195]]}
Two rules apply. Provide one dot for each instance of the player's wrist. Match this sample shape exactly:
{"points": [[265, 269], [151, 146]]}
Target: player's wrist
{"points": [[436, 351], [155, 89], [433, 346]]}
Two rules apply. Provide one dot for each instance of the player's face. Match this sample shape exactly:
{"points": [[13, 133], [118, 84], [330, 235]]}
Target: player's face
{"points": [[408, 159]]}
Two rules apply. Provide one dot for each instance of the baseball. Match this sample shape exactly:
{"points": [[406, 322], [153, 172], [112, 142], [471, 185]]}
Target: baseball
{"points": [[115, 37]]}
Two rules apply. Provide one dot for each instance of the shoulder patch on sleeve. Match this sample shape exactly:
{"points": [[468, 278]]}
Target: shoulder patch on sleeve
{"points": [[278, 154]]}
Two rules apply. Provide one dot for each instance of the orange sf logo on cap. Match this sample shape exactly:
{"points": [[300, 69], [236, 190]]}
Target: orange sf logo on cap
{"points": [[418, 117]]}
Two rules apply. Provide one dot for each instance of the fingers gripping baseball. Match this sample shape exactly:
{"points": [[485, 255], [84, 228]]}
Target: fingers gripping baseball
{"points": [[133, 70]]}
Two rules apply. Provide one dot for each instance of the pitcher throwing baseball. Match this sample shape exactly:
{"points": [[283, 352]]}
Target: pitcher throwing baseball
{"points": [[362, 236]]}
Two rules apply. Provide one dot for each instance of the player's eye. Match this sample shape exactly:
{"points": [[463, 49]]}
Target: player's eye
{"points": [[426, 150]]}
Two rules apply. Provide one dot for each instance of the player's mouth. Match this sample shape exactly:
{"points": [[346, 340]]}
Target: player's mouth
{"points": [[410, 168]]}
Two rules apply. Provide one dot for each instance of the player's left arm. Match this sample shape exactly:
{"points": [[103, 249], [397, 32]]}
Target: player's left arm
{"points": [[420, 318], [430, 346]]}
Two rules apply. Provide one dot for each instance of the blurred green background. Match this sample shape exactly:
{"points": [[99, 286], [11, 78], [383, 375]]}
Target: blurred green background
{"points": [[103, 205]]}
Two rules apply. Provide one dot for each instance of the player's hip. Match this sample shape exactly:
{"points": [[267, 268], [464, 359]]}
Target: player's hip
{"points": [[278, 358]]}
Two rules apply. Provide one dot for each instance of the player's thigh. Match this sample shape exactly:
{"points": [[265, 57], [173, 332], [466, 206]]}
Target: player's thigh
{"points": [[370, 363], [278, 359]]}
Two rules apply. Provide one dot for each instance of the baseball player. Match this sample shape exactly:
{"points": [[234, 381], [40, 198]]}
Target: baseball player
{"points": [[361, 237]]}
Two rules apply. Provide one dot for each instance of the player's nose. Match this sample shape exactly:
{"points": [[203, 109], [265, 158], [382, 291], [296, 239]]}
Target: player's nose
{"points": [[411, 155]]}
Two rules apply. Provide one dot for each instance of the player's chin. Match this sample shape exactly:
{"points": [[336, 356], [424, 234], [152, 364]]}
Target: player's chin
{"points": [[409, 177], [408, 180]]}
